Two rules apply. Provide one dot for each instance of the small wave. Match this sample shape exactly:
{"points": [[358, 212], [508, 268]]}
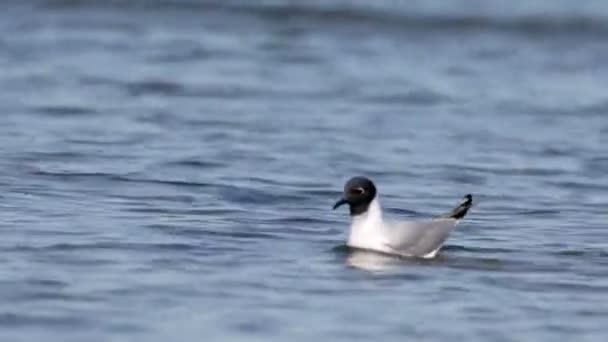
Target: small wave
{"points": [[58, 296], [582, 253], [64, 110], [180, 212], [593, 109], [160, 87], [252, 235], [505, 171], [578, 185], [76, 175], [197, 164], [412, 97], [554, 20], [113, 141], [596, 166], [174, 89], [69, 247], [537, 212], [467, 179], [406, 212], [254, 196], [176, 183], [191, 54], [54, 155], [298, 220], [47, 283], [557, 151], [479, 250], [13, 320]]}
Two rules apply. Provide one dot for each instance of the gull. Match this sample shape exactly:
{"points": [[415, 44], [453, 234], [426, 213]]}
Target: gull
{"points": [[369, 229]]}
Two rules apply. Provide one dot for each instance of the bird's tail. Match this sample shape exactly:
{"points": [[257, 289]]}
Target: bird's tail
{"points": [[461, 210]]}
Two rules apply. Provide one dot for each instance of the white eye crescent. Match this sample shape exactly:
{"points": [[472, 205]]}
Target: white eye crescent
{"points": [[358, 191]]}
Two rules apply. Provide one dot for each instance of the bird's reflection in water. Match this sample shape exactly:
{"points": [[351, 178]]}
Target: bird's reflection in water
{"points": [[372, 261], [376, 261]]}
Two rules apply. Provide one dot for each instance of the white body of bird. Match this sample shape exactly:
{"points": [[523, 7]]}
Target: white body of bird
{"points": [[423, 239]]}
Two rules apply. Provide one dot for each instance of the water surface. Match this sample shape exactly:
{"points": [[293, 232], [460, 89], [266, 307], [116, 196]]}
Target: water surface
{"points": [[167, 169]]}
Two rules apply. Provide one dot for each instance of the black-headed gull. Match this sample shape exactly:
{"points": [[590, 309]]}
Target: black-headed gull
{"points": [[369, 230]]}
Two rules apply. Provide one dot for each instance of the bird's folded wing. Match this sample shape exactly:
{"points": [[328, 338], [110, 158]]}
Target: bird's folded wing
{"points": [[419, 238]]}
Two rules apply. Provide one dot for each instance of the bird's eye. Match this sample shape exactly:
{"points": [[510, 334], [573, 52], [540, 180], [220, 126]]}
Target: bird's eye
{"points": [[357, 191]]}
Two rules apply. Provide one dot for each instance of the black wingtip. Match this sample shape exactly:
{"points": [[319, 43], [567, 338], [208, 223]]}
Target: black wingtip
{"points": [[463, 208]]}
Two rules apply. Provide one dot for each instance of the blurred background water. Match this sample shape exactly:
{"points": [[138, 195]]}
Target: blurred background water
{"points": [[167, 169]]}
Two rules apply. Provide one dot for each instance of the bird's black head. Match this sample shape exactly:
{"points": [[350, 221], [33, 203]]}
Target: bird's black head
{"points": [[359, 192]]}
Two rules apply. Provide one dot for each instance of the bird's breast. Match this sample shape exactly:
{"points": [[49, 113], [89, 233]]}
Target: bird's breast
{"points": [[367, 234]]}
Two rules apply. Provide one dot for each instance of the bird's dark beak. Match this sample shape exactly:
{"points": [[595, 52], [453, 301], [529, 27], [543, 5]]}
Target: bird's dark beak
{"points": [[340, 202]]}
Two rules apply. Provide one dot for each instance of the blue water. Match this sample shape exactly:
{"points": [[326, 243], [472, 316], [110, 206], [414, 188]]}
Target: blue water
{"points": [[167, 169]]}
